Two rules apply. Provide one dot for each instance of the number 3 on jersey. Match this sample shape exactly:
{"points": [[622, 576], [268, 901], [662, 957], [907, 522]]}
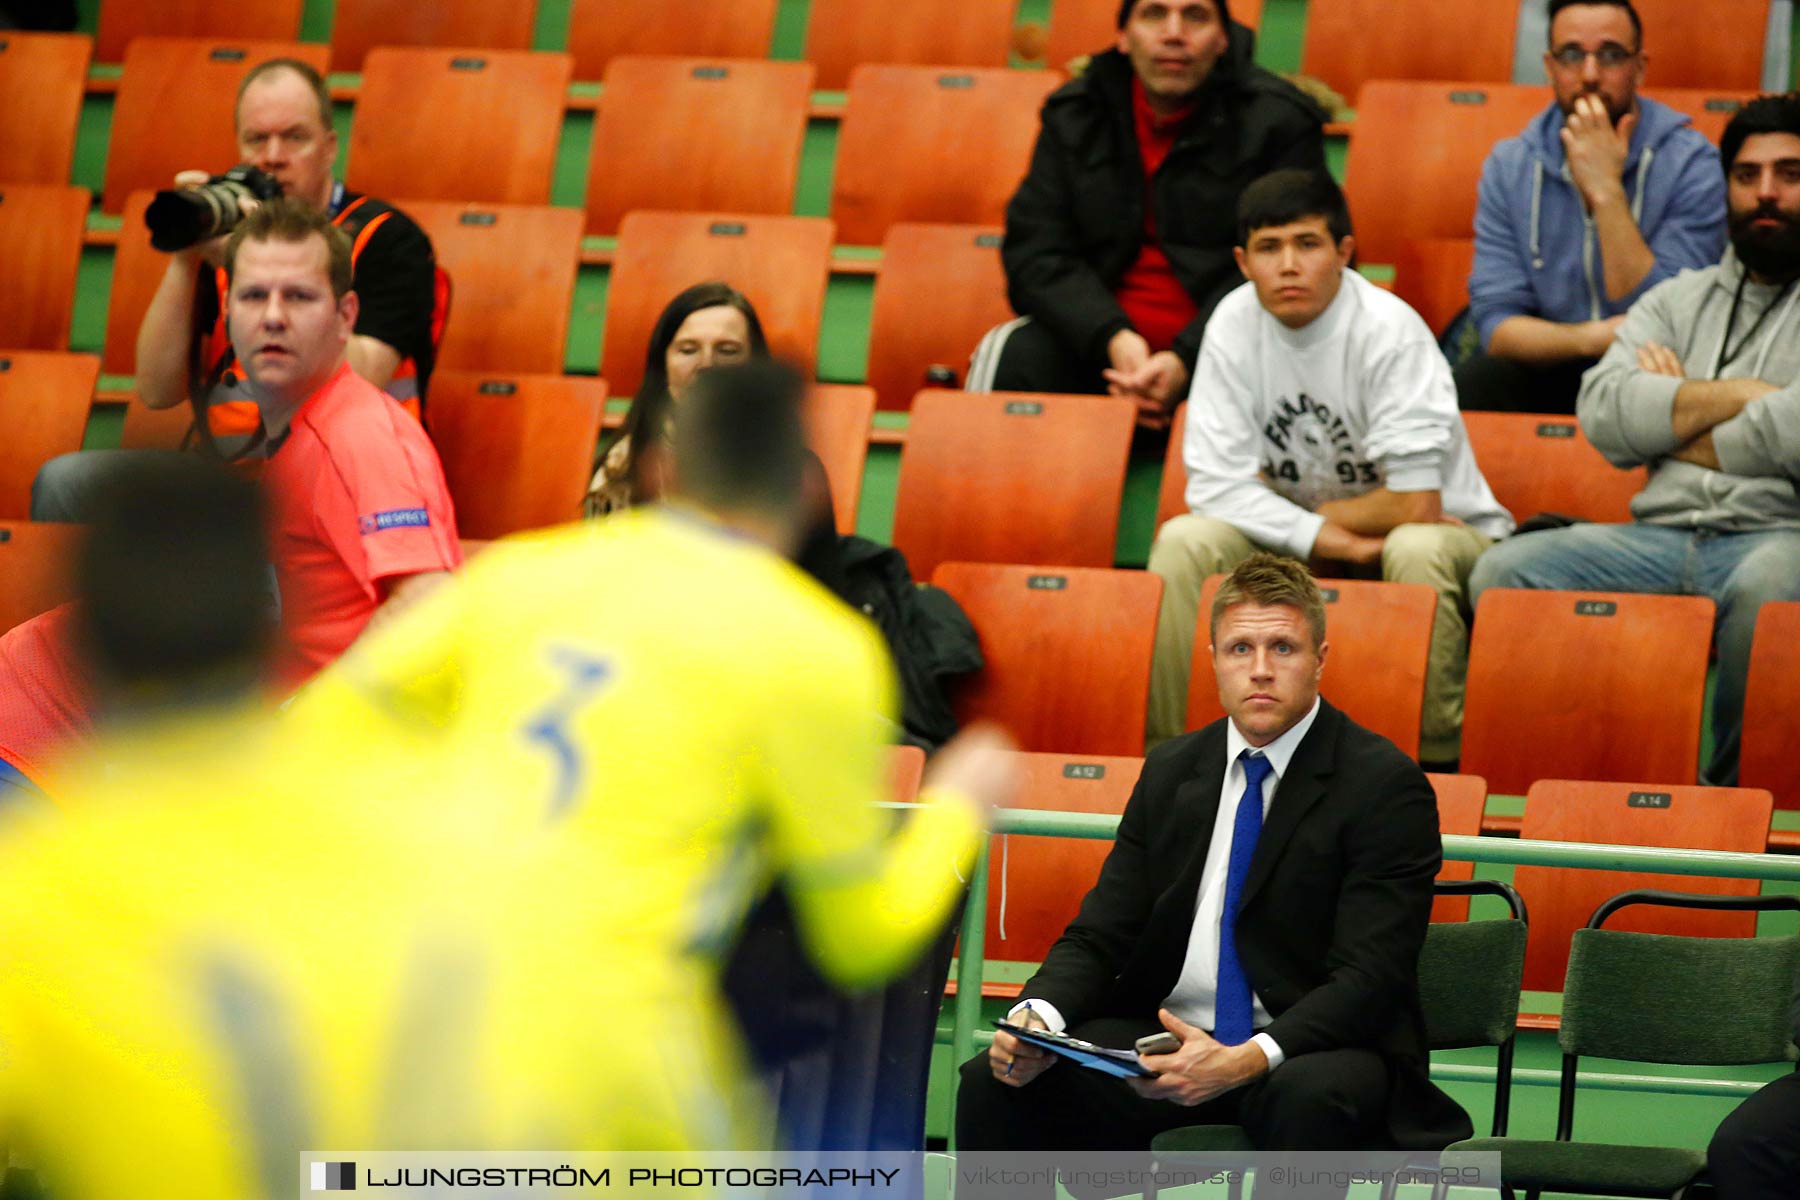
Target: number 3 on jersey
{"points": [[584, 677]]}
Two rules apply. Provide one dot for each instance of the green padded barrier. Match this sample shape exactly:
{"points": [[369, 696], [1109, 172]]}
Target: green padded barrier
{"points": [[789, 40], [315, 20]]}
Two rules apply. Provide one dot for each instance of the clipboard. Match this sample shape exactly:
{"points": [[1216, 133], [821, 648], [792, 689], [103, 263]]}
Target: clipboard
{"points": [[1121, 1063]]}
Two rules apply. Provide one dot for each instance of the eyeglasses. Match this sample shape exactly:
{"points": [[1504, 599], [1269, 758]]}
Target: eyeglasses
{"points": [[1610, 55]]}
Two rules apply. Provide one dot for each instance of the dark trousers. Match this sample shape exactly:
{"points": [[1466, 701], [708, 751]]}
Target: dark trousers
{"points": [[1755, 1155], [1334, 1100], [1024, 356], [1488, 384]]}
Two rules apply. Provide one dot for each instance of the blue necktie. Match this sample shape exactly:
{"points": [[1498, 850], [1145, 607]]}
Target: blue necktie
{"points": [[1231, 1008]]}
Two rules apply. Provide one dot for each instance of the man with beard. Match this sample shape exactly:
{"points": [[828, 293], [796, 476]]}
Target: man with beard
{"points": [[1702, 385], [1602, 197]]}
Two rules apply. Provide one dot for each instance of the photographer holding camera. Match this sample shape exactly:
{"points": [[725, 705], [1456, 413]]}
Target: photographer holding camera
{"points": [[285, 136]]}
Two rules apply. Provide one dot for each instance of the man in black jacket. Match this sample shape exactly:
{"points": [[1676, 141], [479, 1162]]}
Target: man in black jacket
{"points": [[1755, 1153], [1118, 241], [1265, 901]]}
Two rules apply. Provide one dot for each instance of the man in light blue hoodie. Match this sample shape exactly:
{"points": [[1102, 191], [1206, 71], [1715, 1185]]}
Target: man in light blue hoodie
{"points": [[1603, 196]]}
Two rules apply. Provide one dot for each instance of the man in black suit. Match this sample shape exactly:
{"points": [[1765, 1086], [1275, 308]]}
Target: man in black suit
{"points": [[1755, 1153], [1278, 940]]}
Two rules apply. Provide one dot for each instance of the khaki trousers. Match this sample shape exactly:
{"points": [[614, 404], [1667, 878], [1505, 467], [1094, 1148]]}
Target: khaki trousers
{"points": [[1190, 547]]}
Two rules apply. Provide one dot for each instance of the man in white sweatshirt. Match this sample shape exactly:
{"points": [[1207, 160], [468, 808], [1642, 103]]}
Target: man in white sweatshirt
{"points": [[1322, 423]]}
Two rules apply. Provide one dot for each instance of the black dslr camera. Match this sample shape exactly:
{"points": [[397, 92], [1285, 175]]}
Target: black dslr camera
{"points": [[183, 217]]}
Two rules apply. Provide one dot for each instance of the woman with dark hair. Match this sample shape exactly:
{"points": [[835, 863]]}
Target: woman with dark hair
{"points": [[706, 325]]}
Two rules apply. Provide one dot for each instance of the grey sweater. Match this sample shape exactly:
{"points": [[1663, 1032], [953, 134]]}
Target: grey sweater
{"points": [[1626, 412]]}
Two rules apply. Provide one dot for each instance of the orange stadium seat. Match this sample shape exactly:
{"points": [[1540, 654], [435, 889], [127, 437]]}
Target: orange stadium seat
{"points": [[1080, 27], [1632, 814], [1432, 275], [1379, 634], [842, 34], [599, 30], [136, 271], [940, 288], [1415, 160], [512, 271], [475, 125], [1012, 477], [35, 565], [1349, 42], [175, 108], [837, 428], [517, 450], [1067, 653], [1709, 110], [933, 144], [1714, 45], [1585, 685], [697, 135], [362, 25], [1460, 801], [1036, 884], [122, 20], [1541, 463], [42, 79], [907, 771], [1171, 497], [781, 263], [40, 243], [149, 428], [1772, 705], [44, 400]]}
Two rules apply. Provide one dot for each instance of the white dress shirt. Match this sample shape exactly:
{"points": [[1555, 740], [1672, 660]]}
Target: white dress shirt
{"points": [[1198, 985]]}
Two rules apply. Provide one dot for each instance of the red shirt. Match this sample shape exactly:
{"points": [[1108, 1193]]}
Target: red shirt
{"points": [[43, 704], [1153, 299], [357, 495]]}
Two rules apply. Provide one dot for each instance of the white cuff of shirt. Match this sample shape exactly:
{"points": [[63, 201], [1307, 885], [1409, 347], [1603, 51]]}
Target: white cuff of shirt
{"points": [[1415, 473], [1304, 533], [1276, 1057], [1047, 1011]]}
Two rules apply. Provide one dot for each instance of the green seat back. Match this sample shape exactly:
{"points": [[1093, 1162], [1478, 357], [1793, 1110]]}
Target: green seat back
{"points": [[1650, 997]]}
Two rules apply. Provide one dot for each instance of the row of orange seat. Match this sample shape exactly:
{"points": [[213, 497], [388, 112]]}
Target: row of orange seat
{"points": [[840, 35], [683, 133], [1346, 42], [1035, 884], [999, 477], [1561, 685], [704, 134], [513, 270]]}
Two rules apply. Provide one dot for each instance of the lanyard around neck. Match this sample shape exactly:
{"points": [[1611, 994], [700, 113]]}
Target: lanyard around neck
{"points": [[1726, 353]]}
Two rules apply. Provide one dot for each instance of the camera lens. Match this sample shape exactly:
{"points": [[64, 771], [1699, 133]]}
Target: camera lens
{"points": [[181, 218]]}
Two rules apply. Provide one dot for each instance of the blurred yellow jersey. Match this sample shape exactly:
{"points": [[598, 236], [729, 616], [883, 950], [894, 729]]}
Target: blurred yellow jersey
{"points": [[227, 948], [682, 715]]}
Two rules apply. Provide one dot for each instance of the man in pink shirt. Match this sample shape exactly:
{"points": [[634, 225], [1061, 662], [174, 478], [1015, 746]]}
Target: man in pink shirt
{"points": [[43, 699], [361, 517]]}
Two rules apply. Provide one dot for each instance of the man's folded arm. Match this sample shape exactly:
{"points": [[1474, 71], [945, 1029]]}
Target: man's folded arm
{"points": [[1624, 410], [1763, 439]]}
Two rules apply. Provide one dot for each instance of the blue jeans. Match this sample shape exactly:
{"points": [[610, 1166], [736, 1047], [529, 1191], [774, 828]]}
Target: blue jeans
{"points": [[66, 487], [16, 788], [1739, 571]]}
